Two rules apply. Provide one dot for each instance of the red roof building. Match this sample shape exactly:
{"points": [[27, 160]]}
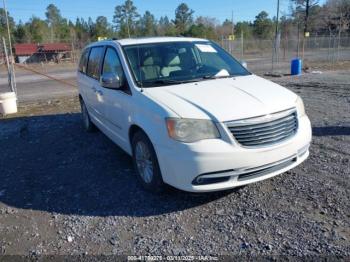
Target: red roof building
{"points": [[54, 47], [30, 49], [25, 49]]}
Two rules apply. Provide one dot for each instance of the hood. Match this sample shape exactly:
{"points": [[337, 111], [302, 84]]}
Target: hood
{"points": [[225, 99]]}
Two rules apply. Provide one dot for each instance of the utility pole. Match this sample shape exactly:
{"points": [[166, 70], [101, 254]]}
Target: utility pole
{"points": [[7, 65], [306, 21], [277, 32], [8, 28], [307, 11], [242, 44], [298, 44], [274, 53], [233, 27], [231, 39], [13, 77]]}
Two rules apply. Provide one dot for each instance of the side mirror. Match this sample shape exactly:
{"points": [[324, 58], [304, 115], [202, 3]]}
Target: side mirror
{"points": [[110, 80], [244, 64]]}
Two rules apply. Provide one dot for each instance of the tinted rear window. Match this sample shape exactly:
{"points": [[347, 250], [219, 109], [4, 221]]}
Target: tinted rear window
{"points": [[93, 69], [83, 61]]}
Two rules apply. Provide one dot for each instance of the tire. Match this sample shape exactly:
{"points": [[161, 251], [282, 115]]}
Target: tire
{"points": [[86, 120], [146, 163]]}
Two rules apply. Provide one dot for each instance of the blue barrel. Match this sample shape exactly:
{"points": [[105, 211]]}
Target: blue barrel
{"points": [[296, 66]]}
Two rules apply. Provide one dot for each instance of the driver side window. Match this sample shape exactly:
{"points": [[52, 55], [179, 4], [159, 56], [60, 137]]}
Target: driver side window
{"points": [[113, 65]]}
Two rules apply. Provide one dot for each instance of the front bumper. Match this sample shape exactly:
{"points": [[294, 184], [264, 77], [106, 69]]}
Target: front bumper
{"points": [[182, 163]]}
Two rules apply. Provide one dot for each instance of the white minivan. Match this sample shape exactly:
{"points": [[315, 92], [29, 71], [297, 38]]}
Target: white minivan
{"points": [[189, 114]]}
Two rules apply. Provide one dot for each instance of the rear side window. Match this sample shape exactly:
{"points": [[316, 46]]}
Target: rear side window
{"points": [[93, 68], [83, 61]]}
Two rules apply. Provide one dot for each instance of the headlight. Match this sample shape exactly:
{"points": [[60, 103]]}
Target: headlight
{"points": [[191, 130], [300, 106]]}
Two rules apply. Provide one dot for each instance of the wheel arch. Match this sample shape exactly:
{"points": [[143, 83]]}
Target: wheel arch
{"points": [[133, 129]]}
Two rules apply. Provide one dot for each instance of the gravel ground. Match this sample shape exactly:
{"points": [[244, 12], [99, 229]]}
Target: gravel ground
{"points": [[64, 191]]}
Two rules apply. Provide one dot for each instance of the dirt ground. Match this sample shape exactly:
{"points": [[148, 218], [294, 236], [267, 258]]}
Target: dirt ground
{"points": [[64, 191], [32, 86]]}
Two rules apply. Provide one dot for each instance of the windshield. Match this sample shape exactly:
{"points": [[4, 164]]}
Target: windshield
{"points": [[160, 64]]}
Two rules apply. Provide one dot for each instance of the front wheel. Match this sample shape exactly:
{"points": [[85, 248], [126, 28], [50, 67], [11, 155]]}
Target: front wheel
{"points": [[146, 163]]}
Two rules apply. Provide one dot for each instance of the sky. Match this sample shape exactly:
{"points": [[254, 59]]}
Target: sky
{"points": [[245, 10]]}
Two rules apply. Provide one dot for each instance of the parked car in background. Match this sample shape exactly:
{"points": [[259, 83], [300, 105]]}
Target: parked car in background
{"points": [[189, 114]]}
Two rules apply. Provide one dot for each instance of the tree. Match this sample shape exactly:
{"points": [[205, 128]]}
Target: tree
{"points": [[333, 18], [183, 18], [304, 6], [227, 23], [20, 33], [207, 21], [166, 27], [263, 26], [63, 31], [82, 32], [244, 27], [202, 31], [125, 18], [102, 28], [59, 26], [148, 24], [53, 15], [287, 26], [225, 29], [204, 27], [336, 16], [3, 24], [54, 20], [91, 27], [37, 30]]}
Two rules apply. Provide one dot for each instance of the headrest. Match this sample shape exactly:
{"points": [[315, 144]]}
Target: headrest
{"points": [[152, 61], [148, 61], [172, 59]]}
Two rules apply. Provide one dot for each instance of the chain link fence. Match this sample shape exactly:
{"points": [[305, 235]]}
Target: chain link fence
{"points": [[331, 49]]}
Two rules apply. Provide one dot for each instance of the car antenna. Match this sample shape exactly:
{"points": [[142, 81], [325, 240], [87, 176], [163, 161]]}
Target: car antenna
{"points": [[139, 67]]}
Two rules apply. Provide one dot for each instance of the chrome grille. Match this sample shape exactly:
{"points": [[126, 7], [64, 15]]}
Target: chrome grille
{"points": [[265, 130]]}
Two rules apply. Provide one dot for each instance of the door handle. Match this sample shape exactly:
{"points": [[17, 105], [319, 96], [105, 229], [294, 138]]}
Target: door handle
{"points": [[93, 89], [99, 92]]}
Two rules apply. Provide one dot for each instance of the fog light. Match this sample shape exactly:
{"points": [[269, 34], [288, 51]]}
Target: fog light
{"points": [[199, 181]]}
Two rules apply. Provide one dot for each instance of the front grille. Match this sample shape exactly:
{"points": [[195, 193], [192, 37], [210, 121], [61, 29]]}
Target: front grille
{"points": [[266, 130]]}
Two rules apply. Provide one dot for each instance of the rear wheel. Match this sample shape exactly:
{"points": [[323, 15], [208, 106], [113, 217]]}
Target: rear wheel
{"points": [[87, 124], [146, 163]]}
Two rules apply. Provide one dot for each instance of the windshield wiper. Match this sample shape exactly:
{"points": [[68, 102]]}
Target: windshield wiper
{"points": [[208, 77], [149, 83], [167, 82], [216, 77]]}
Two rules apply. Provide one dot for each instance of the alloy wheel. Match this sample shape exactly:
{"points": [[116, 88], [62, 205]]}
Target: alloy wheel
{"points": [[144, 161]]}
